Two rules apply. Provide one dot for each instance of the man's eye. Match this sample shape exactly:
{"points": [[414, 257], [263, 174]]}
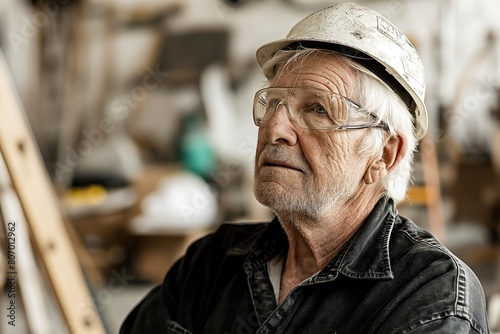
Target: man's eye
{"points": [[317, 109], [320, 109]]}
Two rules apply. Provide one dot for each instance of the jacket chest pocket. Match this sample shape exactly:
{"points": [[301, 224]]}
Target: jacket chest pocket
{"points": [[174, 328]]}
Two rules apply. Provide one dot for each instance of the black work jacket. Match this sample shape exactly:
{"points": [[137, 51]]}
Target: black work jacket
{"points": [[391, 277]]}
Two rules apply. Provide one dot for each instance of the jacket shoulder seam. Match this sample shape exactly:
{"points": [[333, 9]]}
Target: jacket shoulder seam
{"points": [[440, 316]]}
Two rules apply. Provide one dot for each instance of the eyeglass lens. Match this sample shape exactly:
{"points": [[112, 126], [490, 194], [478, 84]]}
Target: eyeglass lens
{"points": [[308, 108]]}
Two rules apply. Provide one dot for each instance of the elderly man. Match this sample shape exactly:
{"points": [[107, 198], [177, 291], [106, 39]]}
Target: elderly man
{"points": [[338, 124]]}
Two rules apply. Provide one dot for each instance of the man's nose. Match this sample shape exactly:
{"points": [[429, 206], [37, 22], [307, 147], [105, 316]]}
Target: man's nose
{"points": [[279, 128]]}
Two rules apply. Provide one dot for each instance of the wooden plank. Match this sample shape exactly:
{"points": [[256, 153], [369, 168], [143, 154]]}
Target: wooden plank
{"points": [[25, 270], [38, 200]]}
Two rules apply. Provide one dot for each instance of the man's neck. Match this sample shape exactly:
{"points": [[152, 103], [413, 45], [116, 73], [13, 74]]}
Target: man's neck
{"points": [[314, 242]]}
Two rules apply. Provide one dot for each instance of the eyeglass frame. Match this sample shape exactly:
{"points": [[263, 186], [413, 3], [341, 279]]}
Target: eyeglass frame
{"points": [[378, 122]]}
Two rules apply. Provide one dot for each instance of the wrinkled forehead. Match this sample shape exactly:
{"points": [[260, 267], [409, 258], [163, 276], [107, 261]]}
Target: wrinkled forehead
{"points": [[320, 70]]}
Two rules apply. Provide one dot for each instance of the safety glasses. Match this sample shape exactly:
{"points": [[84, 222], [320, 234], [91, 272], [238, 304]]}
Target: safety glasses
{"points": [[313, 109]]}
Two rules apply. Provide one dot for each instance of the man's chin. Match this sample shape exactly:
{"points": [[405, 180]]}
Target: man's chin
{"points": [[269, 194]]}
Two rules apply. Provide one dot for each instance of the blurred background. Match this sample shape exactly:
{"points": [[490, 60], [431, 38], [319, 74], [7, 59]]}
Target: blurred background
{"points": [[142, 114]]}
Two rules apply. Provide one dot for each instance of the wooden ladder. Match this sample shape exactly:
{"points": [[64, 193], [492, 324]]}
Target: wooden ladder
{"points": [[49, 236]]}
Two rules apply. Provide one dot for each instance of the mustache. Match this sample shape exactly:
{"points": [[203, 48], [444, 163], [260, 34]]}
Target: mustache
{"points": [[278, 152]]}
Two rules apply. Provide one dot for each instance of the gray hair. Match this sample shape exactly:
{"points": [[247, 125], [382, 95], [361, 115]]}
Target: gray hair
{"points": [[372, 94]]}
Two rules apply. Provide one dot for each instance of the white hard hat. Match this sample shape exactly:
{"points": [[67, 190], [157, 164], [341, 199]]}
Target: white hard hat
{"points": [[364, 35]]}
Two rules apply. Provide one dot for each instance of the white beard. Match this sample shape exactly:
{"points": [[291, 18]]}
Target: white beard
{"points": [[309, 199]]}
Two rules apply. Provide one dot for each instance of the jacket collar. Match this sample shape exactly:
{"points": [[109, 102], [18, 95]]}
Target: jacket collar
{"points": [[262, 247], [365, 256]]}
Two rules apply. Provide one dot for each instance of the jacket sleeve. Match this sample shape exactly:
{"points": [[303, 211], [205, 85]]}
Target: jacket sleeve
{"points": [[155, 311], [160, 310], [146, 316], [183, 296]]}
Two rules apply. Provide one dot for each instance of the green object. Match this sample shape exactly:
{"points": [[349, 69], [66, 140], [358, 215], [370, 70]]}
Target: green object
{"points": [[196, 151]]}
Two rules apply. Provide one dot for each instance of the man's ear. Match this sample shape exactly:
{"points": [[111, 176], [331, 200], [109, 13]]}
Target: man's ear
{"points": [[393, 152]]}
